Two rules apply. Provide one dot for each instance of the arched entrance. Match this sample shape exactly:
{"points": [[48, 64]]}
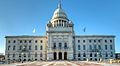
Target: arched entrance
{"points": [[60, 55], [65, 55], [55, 55]]}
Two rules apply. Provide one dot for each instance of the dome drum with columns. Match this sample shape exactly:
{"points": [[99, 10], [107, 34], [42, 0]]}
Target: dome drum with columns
{"points": [[59, 21]]}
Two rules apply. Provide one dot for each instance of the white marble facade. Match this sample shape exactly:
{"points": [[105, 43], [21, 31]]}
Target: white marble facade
{"points": [[60, 43]]}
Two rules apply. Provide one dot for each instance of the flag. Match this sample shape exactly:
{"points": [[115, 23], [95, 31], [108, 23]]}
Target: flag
{"points": [[34, 30], [84, 30]]}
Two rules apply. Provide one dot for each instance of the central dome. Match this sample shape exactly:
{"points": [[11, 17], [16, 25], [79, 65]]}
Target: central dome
{"points": [[59, 13]]}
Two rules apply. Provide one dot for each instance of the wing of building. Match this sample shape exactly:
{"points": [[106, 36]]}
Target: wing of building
{"points": [[60, 43]]}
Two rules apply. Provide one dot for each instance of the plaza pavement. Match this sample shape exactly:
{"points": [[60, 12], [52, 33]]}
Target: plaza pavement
{"points": [[60, 63]]}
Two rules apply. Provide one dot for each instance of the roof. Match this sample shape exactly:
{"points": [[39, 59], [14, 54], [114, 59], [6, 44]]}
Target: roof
{"points": [[25, 36], [113, 36]]}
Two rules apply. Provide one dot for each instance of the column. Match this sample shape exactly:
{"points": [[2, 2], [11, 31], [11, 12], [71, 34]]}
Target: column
{"points": [[62, 55], [57, 55]]}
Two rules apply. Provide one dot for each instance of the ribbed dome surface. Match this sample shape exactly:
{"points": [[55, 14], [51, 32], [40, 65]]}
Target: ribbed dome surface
{"points": [[59, 13]]}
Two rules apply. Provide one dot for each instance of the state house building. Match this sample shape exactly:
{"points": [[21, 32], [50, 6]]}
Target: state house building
{"points": [[60, 43]]}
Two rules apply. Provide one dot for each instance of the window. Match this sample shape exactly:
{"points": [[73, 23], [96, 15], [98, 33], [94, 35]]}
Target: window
{"points": [[29, 47], [14, 41], [90, 54], [90, 47], [40, 54], [84, 55], [95, 55], [41, 41], [14, 47], [90, 41], [20, 41], [24, 55], [105, 47], [35, 47], [78, 47], [78, 41], [29, 41], [19, 55], [60, 46], [84, 47], [99, 47], [13, 55], [29, 55], [105, 41], [110, 41], [35, 54], [25, 41], [8, 54], [35, 41], [54, 46], [111, 54], [9, 41], [111, 47], [41, 48], [20, 47], [83, 41], [79, 55], [9, 47], [99, 41], [94, 40], [95, 47], [65, 45], [106, 55]]}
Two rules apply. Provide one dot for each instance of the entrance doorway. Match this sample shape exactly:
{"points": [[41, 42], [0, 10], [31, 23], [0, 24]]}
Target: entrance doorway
{"points": [[55, 55], [65, 55], [60, 55]]}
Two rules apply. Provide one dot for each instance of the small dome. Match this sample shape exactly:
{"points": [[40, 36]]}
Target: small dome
{"points": [[59, 13]]}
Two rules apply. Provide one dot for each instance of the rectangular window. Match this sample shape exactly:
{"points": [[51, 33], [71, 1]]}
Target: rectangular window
{"points": [[90, 41], [95, 47], [29, 47], [83, 41], [78, 41], [90, 47], [105, 47], [111, 47], [36, 47], [78, 47], [41, 41], [41, 47], [99, 47], [84, 47]]}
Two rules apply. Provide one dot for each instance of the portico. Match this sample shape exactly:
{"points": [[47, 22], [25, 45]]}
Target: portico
{"points": [[60, 55]]}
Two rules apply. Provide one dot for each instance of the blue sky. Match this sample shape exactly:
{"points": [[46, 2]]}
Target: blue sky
{"points": [[19, 17]]}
